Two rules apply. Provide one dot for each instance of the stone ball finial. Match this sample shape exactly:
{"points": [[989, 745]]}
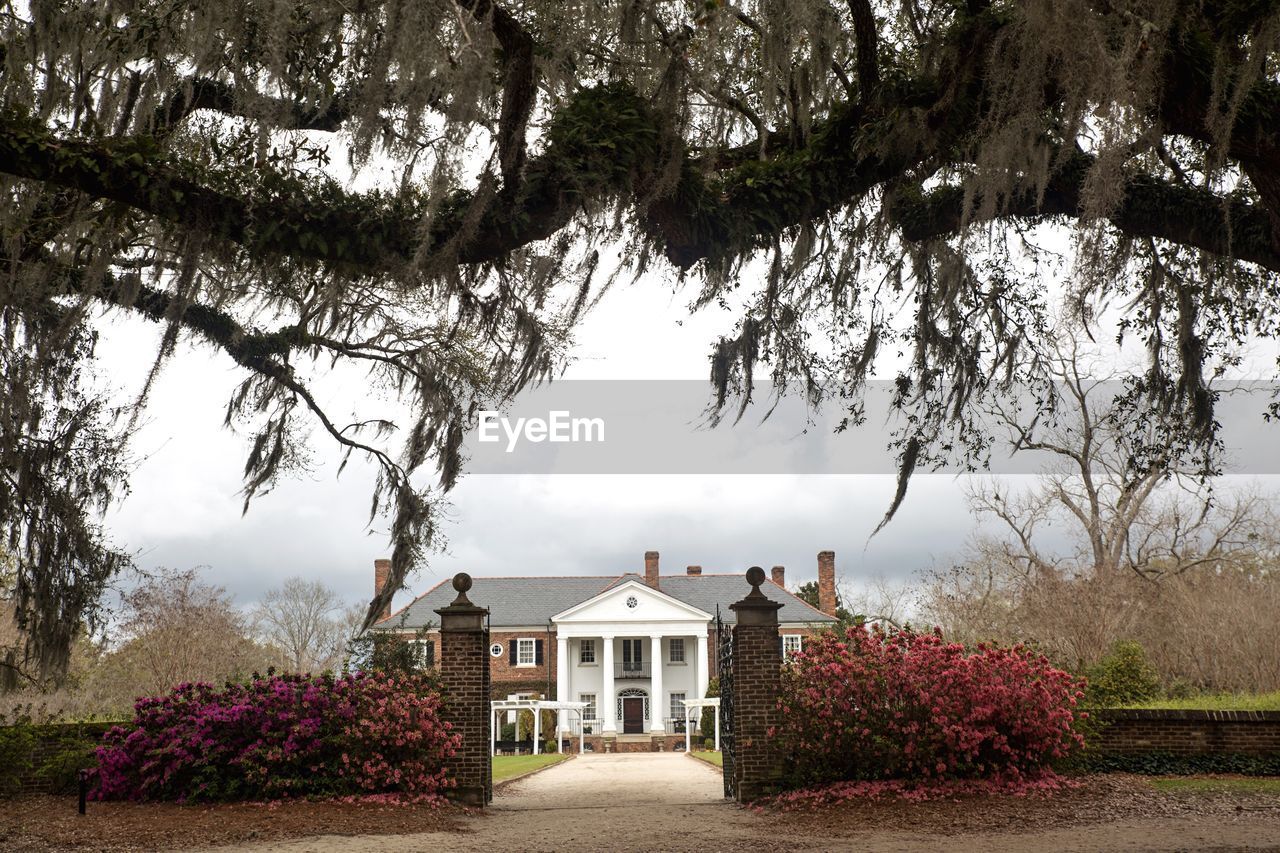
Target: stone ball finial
{"points": [[462, 582], [755, 576]]}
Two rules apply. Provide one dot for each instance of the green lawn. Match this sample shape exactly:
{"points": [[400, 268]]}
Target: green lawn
{"points": [[1235, 784], [1219, 702], [511, 766], [710, 757]]}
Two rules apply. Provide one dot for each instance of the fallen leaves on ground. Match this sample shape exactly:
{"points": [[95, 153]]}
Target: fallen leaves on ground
{"points": [[39, 823], [1101, 798]]}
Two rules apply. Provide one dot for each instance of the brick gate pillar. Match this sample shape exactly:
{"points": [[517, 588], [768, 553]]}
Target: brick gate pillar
{"points": [[464, 675], [757, 664]]}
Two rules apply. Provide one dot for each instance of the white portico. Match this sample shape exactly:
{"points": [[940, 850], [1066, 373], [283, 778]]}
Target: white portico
{"points": [[634, 655]]}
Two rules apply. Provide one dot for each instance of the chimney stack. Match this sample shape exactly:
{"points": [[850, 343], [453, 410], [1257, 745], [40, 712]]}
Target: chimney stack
{"points": [[694, 571], [780, 576], [381, 572], [651, 568], [827, 582]]}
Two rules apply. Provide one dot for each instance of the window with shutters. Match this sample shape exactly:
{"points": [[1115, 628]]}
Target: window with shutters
{"points": [[526, 652], [426, 653]]}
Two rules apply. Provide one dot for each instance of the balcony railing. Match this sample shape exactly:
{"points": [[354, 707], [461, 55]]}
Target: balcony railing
{"points": [[631, 669], [591, 725]]}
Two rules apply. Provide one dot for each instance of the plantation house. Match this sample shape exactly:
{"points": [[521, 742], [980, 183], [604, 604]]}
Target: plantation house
{"points": [[633, 647]]}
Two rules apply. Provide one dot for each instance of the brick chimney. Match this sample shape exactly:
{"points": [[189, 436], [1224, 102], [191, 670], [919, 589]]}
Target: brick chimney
{"points": [[780, 576], [827, 582], [381, 571], [651, 568], [693, 571]]}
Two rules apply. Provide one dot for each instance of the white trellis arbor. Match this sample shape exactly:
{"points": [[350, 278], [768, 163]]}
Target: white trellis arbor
{"points": [[698, 705], [537, 706]]}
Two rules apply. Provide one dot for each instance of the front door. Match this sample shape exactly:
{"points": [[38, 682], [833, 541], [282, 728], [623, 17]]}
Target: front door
{"points": [[632, 715]]}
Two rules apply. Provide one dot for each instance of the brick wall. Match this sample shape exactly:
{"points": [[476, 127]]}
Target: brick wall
{"points": [[463, 657], [756, 667], [507, 679], [713, 645], [501, 669], [1131, 731], [464, 677], [58, 751]]}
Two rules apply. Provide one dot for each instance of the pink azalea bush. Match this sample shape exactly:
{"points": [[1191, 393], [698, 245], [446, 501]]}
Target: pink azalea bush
{"points": [[282, 736], [867, 706]]}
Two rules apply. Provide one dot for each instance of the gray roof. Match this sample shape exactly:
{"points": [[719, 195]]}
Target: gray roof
{"points": [[530, 601]]}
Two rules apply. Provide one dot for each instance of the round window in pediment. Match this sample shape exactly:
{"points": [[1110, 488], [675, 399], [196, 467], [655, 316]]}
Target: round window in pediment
{"points": [[632, 602]]}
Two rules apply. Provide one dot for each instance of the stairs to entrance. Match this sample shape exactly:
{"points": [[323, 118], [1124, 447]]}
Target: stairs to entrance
{"points": [[643, 743]]}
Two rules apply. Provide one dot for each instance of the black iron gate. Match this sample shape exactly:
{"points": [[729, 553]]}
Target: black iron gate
{"points": [[728, 745]]}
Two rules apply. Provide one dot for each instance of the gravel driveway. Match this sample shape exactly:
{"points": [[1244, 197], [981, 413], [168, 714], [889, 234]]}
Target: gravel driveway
{"points": [[629, 802], [671, 802]]}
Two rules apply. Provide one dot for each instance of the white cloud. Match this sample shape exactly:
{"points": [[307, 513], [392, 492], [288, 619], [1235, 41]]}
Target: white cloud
{"points": [[185, 507]]}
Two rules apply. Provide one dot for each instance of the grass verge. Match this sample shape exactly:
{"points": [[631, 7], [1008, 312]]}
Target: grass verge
{"points": [[510, 766], [710, 757], [1217, 702]]}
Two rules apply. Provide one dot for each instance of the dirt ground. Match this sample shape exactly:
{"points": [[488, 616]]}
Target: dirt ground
{"points": [[668, 801], [42, 823]]}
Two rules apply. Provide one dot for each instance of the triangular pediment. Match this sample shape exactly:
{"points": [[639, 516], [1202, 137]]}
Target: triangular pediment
{"points": [[631, 601]]}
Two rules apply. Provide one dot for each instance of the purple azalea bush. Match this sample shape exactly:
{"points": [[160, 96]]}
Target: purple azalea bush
{"points": [[281, 736]]}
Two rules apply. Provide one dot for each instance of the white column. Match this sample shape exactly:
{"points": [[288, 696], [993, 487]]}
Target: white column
{"points": [[562, 683], [717, 707], [606, 693], [493, 730], [537, 731], [704, 665], [657, 702], [688, 745]]}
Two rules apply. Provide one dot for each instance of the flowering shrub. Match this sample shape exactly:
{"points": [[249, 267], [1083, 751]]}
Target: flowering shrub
{"points": [[868, 705], [281, 736]]}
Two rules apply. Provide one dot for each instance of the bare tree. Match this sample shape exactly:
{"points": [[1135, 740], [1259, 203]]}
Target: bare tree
{"points": [[1115, 541], [306, 622], [179, 629], [1124, 496], [879, 600], [1208, 628]]}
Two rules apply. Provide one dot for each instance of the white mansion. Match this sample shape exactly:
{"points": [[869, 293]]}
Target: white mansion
{"points": [[633, 647]]}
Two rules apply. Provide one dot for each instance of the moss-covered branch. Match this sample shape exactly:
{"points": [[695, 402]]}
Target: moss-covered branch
{"points": [[608, 144], [1150, 207]]}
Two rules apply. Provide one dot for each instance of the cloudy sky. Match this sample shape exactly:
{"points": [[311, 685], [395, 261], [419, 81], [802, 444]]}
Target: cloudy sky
{"points": [[184, 509]]}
